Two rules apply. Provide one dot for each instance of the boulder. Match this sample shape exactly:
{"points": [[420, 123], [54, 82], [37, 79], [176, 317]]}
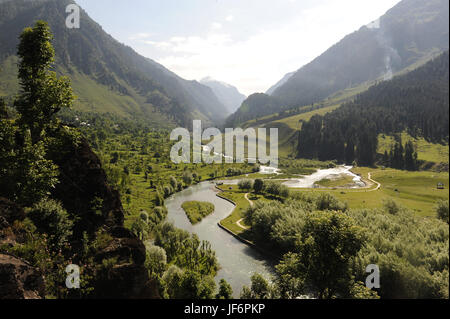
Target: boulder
{"points": [[19, 280]]}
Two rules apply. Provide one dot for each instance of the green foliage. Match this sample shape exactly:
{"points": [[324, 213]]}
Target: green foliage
{"points": [[326, 201], [442, 210], [258, 186], [181, 284], [289, 281], [53, 220], [196, 211], [156, 260], [187, 178], [416, 102], [260, 288], [411, 252], [225, 290], [186, 250], [26, 175], [42, 93], [328, 242], [245, 184]]}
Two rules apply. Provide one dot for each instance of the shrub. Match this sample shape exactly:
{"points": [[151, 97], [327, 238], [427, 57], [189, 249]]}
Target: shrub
{"points": [[52, 219], [245, 184], [156, 260], [258, 186], [442, 210]]}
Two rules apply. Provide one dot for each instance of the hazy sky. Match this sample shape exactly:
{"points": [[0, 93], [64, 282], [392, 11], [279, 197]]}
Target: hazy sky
{"points": [[250, 44]]}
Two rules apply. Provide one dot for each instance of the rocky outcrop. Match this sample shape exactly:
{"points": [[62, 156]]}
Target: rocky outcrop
{"points": [[84, 191], [9, 213], [128, 278], [18, 280]]}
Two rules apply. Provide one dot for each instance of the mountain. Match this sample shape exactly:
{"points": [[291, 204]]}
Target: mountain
{"points": [[280, 83], [407, 36], [227, 94], [107, 76], [416, 102]]}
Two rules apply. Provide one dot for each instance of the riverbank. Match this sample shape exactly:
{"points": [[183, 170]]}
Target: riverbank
{"points": [[238, 260], [236, 235]]}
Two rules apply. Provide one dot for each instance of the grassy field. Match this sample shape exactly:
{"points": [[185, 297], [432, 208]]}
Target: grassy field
{"points": [[294, 122], [196, 211], [238, 197], [414, 190], [426, 151], [340, 181]]}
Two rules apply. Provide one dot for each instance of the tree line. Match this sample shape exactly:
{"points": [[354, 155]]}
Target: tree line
{"points": [[416, 102]]}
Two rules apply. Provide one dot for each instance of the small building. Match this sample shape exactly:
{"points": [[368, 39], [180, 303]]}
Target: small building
{"points": [[440, 186]]}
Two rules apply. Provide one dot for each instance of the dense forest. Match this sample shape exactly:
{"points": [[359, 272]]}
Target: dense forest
{"points": [[416, 102], [325, 248]]}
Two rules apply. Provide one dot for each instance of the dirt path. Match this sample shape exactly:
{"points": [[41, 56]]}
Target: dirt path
{"points": [[373, 181], [240, 220], [240, 225], [246, 197]]}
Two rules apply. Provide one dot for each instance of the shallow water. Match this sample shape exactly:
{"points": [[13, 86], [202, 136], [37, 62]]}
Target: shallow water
{"points": [[308, 181]]}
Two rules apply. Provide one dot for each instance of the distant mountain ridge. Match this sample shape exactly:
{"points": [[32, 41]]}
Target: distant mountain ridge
{"points": [[106, 75], [410, 33], [279, 83], [227, 94]]}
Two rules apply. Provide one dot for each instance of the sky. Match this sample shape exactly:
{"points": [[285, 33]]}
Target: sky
{"points": [[250, 44]]}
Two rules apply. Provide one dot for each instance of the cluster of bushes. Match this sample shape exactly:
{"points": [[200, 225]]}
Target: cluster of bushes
{"points": [[233, 172], [259, 186], [183, 265], [326, 248]]}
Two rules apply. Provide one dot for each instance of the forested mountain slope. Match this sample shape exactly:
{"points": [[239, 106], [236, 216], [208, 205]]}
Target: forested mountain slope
{"points": [[417, 102], [107, 76], [408, 35]]}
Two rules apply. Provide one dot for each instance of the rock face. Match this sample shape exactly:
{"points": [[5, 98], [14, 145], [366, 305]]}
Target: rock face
{"points": [[18, 280], [128, 278], [85, 193]]}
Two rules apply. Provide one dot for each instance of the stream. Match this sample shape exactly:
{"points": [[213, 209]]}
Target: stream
{"points": [[237, 260]]}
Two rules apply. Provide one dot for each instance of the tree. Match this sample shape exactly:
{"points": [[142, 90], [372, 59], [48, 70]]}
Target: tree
{"points": [[187, 178], [410, 156], [26, 176], [260, 288], [3, 110], [173, 182], [225, 290], [43, 94], [258, 186], [156, 260], [329, 241], [52, 219], [245, 184], [289, 282], [442, 210]]}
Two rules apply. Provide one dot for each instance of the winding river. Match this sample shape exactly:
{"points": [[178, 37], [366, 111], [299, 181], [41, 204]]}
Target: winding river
{"points": [[238, 261]]}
